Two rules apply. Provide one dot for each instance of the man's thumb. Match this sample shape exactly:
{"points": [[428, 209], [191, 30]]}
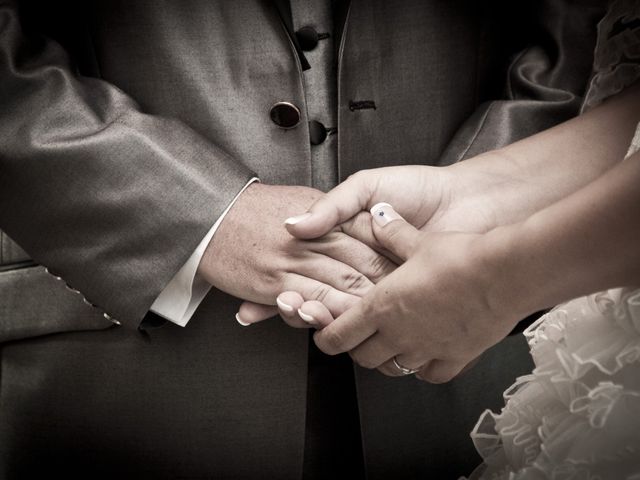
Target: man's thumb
{"points": [[393, 232]]}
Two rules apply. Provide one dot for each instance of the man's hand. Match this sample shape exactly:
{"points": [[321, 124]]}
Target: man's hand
{"points": [[436, 313], [253, 257]]}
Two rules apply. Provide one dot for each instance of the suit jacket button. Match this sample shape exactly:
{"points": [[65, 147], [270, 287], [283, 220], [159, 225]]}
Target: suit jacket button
{"points": [[285, 115], [307, 38], [317, 132]]}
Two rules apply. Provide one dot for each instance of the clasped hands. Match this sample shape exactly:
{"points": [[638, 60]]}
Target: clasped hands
{"points": [[411, 284]]}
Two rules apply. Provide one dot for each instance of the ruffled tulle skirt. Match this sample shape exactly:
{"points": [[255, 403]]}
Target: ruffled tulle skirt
{"points": [[577, 415]]}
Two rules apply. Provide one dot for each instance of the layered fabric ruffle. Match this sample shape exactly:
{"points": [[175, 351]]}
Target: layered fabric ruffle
{"points": [[617, 55], [577, 415]]}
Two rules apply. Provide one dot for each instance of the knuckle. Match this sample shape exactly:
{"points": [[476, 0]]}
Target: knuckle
{"points": [[320, 293], [275, 277], [378, 265], [354, 281], [332, 342], [363, 362]]}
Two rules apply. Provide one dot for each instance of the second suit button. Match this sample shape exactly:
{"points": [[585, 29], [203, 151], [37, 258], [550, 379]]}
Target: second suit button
{"points": [[285, 115], [317, 132], [308, 38]]}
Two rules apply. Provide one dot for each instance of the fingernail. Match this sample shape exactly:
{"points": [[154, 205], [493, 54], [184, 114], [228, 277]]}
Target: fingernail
{"points": [[306, 317], [284, 306], [297, 219], [383, 213], [244, 324]]}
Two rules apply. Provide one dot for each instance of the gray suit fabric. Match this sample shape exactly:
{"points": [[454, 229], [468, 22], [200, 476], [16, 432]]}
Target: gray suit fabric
{"points": [[320, 87], [126, 128]]}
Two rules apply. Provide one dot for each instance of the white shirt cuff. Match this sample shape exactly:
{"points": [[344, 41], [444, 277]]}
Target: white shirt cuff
{"points": [[186, 290]]}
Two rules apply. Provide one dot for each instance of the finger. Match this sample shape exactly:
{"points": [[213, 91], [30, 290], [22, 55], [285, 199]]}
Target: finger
{"points": [[336, 301], [315, 314], [439, 371], [373, 352], [360, 227], [334, 273], [251, 312], [340, 204], [288, 305], [393, 232], [346, 332], [352, 252]]}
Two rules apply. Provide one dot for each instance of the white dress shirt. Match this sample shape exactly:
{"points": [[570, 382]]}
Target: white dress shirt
{"points": [[182, 295]]}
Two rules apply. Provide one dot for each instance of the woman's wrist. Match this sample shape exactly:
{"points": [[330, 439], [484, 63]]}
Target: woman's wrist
{"points": [[582, 244], [468, 199], [491, 190], [514, 287], [509, 184]]}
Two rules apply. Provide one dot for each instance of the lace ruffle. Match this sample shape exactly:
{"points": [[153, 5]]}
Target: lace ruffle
{"points": [[617, 53], [635, 143], [577, 416]]}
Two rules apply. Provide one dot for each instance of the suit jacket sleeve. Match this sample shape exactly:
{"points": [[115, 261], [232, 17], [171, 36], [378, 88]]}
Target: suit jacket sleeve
{"points": [[112, 200]]}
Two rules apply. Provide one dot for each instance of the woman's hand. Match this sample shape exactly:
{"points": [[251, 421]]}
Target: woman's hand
{"points": [[458, 293], [430, 198], [461, 198], [436, 313]]}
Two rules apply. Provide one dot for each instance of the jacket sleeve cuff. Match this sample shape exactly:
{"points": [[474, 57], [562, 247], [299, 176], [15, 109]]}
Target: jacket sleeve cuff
{"points": [[186, 290]]}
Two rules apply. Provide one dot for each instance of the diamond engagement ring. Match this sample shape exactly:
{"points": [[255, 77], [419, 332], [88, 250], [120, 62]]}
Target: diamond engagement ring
{"points": [[404, 370]]}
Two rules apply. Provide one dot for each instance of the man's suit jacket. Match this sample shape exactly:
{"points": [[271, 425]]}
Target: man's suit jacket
{"points": [[126, 128]]}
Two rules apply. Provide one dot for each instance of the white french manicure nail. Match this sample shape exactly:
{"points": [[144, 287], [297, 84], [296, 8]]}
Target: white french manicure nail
{"points": [[283, 306], [244, 324], [306, 317], [297, 219], [383, 213]]}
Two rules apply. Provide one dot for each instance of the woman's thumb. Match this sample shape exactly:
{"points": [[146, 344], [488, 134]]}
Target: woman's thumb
{"points": [[393, 232]]}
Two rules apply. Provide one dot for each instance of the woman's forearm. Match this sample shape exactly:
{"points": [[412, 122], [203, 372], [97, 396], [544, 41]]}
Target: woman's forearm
{"points": [[587, 242], [524, 177]]}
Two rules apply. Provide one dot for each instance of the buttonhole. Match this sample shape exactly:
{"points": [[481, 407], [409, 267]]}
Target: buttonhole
{"points": [[361, 105]]}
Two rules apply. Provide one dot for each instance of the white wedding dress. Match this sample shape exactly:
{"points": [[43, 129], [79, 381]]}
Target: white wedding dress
{"points": [[577, 415]]}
